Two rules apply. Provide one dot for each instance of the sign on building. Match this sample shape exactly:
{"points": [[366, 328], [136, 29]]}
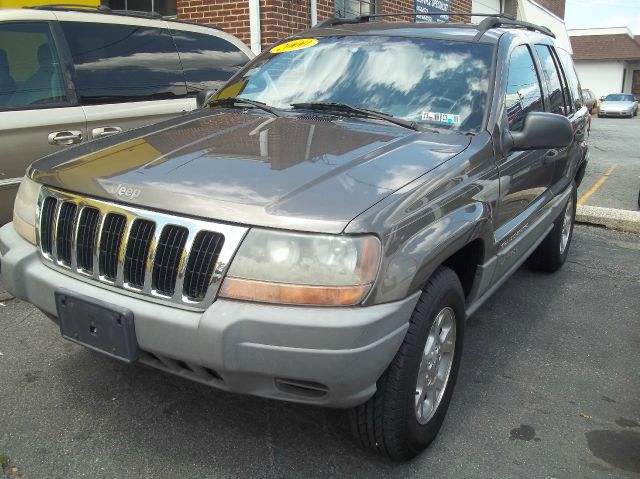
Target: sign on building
{"points": [[432, 6]]}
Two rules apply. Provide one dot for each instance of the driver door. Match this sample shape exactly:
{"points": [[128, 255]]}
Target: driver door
{"points": [[525, 176]]}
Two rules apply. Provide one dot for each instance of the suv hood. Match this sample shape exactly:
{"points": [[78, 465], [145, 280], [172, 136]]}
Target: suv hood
{"points": [[309, 173]]}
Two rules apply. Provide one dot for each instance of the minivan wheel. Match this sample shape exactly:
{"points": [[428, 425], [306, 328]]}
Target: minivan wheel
{"points": [[409, 406], [551, 254]]}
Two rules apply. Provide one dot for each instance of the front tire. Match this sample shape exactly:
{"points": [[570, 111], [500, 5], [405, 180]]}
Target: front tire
{"points": [[551, 254], [409, 406]]}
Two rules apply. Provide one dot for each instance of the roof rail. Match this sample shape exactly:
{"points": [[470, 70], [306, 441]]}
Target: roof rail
{"points": [[495, 22], [73, 7], [491, 20], [366, 18]]}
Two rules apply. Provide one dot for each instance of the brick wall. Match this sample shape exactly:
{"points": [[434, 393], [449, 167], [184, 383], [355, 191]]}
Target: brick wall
{"points": [[555, 6], [280, 18], [231, 16]]}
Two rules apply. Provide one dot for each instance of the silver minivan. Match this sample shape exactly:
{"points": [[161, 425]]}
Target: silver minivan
{"points": [[69, 76]]}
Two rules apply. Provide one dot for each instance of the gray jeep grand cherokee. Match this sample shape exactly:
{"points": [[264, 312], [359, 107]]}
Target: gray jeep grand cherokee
{"points": [[322, 231]]}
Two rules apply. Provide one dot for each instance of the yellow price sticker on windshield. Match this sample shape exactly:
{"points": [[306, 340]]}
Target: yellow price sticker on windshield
{"points": [[294, 45]]}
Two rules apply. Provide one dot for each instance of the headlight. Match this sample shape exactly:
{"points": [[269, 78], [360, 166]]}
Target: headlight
{"points": [[24, 209], [295, 268]]}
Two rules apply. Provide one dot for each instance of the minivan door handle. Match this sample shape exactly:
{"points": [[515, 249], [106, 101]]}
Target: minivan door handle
{"points": [[105, 131], [63, 138]]}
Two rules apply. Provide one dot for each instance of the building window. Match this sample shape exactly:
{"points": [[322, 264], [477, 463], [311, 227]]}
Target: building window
{"points": [[166, 8], [355, 8]]}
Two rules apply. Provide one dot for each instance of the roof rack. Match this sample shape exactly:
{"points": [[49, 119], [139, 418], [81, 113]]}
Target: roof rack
{"points": [[73, 7], [491, 20]]}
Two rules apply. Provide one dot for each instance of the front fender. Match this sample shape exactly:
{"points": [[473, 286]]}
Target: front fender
{"points": [[412, 259]]}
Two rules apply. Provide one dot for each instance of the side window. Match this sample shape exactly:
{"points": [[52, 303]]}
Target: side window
{"points": [[208, 61], [30, 73], [572, 78], [121, 63], [553, 78], [523, 88]]}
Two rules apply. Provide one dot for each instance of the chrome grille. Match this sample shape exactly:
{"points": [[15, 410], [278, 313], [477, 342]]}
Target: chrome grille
{"points": [[46, 225], [135, 258], [86, 242], [168, 256], [64, 229], [204, 252], [136, 251], [110, 242]]}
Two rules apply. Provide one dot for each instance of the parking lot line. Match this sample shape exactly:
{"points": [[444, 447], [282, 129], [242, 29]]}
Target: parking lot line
{"points": [[597, 185]]}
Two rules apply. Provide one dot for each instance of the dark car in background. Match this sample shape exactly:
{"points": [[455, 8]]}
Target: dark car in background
{"points": [[67, 77]]}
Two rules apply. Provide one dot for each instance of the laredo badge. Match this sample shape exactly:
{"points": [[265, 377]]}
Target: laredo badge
{"points": [[294, 45]]}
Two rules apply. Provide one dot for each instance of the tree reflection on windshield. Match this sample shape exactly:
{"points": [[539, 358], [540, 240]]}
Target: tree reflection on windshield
{"points": [[433, 82]]}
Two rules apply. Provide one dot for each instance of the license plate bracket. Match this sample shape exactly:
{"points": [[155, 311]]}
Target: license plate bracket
{"points": [[97, 325]]}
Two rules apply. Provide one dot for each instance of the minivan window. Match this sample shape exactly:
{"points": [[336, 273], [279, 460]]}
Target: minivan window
{"points": [[572, 78], [30, 72], [122, 63], [553, 80], [437, 83], [208, 61], [524, 93]]}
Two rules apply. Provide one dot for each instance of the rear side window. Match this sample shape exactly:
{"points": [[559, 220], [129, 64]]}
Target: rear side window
{"points": [[30, 73], [553, 79], [208, 61], [523, 88], [122, 63], [572, 78]]}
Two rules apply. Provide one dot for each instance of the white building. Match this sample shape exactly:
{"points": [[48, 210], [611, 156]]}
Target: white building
{"points": [[607, 60], [547, 13]]}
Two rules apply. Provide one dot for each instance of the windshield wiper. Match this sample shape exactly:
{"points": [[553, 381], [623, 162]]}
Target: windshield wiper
{"points": [[346, 108], [233, 100]]}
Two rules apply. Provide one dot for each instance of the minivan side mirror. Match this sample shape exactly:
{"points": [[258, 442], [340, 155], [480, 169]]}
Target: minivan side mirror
{"points": [[203, 97], [602, 98], [541, 130]]}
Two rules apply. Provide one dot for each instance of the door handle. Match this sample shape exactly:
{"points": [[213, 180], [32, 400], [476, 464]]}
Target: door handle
{"points": [[105, 131], [63, 138], [549, 156]]}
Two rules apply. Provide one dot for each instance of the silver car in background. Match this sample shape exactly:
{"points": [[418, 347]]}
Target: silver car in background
{"points": [[69, 76], [619, 104]]}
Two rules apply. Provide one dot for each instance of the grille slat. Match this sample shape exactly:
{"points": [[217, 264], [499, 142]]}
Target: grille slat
{"points": [[137, 251], [202, 260], [169, 258], [86, 240], [64, 231], [112, 233], [46, 224], [167, 261]]}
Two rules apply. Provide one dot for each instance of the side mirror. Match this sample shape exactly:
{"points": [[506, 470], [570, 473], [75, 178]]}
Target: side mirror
{"points": [[540, 130], [602, 98], [203, 97]]}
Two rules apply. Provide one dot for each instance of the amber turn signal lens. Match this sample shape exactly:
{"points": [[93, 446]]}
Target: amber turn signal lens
{"points": [[251, 290]]}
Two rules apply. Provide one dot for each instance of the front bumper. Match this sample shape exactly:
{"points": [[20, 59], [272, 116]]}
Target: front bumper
{"points": [[612, 113], [326, 356]]}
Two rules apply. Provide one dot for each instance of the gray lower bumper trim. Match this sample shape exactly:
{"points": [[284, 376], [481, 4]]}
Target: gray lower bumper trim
{"points": [[248, 345]]}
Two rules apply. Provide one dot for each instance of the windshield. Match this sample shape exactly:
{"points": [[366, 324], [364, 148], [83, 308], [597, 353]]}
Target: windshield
{"points": [[434, 83], [619, 97]]}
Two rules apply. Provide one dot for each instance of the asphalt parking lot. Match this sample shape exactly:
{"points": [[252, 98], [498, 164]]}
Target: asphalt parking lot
{"points": [[549, 388], [612, 179]]}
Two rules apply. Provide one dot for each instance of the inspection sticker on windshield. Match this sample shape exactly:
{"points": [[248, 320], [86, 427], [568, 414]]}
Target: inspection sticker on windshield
{"points": [[448, 118], [294, 45]]}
